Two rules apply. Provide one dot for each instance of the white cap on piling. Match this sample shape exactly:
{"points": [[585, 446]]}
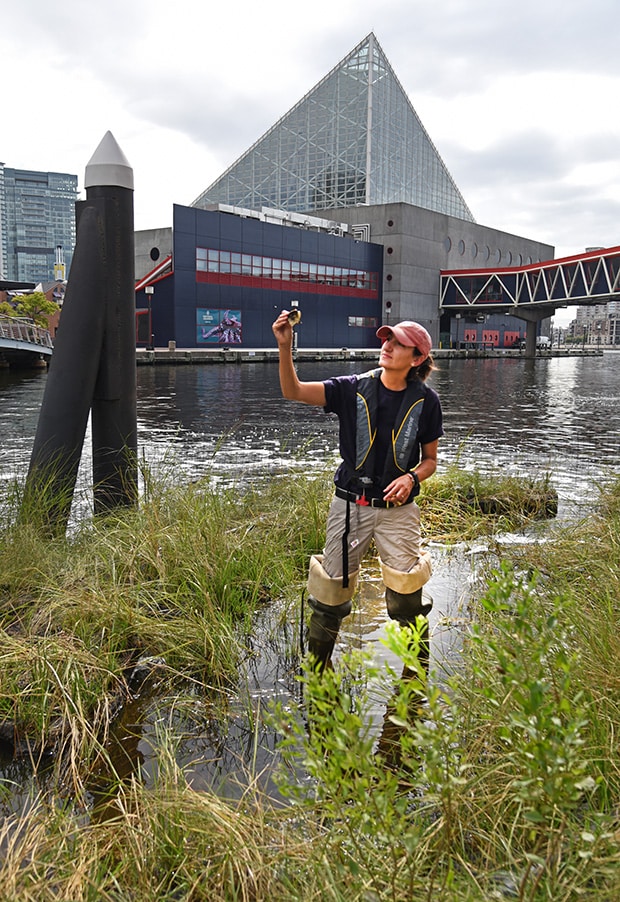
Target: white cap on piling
{"points": [[108, 166]]}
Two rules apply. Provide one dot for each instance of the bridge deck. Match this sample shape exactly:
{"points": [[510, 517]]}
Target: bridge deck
{"points": [[589, 278]]}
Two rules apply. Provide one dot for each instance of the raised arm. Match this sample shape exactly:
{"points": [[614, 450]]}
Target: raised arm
{"points": [[306, 392]]}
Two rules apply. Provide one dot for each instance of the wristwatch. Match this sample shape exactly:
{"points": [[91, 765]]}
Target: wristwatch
{"points": [[415, 478]]}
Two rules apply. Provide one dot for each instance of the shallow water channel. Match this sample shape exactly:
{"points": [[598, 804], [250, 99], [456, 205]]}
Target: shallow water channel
{"points": [[527, 418]]}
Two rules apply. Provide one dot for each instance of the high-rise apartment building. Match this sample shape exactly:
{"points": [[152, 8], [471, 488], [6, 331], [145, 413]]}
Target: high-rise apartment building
{"points": [[354, 139], [37, 217], [3, 249]]}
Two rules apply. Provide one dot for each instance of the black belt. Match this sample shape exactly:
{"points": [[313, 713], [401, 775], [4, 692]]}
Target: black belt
{"points": [[368, 502]]}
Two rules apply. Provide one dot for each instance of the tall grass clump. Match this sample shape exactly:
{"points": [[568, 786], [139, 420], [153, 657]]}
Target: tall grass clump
{"points": [[168, 843], [175, 579], [458, 505]]}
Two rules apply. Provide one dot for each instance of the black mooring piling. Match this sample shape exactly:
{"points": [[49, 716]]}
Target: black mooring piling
{"points": [[93, 368], [109, 184]]}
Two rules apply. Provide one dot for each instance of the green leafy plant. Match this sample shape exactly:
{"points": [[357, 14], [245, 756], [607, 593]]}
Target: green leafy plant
{"points": [[525, 665]]}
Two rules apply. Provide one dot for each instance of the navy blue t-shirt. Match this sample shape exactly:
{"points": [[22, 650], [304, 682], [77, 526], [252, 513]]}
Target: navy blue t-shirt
{"points": [[340, 398]]}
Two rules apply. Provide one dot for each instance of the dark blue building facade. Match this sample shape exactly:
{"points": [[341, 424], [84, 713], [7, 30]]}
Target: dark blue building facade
{"points": [[232, 274]]}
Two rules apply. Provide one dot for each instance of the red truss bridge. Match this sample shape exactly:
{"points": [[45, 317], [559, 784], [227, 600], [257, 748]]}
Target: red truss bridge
{"points": [[534, 291]]}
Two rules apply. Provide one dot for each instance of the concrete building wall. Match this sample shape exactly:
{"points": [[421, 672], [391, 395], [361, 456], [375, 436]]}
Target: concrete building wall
{"points": [[152, 246], [419, 243]]}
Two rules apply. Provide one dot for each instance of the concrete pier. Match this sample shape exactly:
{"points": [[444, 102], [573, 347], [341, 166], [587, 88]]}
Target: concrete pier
{"points": [[216, 355]]}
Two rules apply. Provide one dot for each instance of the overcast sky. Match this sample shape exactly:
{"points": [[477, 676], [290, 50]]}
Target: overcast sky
{"points": [[520, 99]]}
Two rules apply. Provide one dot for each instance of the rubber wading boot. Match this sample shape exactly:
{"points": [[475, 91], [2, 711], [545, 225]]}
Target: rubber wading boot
{"points": [[406, 608], [323, 631]]}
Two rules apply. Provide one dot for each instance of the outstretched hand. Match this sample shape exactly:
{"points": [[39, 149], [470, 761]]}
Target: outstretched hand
{"points": [[282, 329]]}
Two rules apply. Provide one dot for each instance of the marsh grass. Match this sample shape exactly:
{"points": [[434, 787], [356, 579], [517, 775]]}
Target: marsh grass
{"points": [[459, 505], [503, 784], [172, 579]]}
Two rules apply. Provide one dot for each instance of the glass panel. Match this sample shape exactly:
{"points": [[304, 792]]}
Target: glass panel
{"points": [[213, 261], [365, 322], [316, 156]]}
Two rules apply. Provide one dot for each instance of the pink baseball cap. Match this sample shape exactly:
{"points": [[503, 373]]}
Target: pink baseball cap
{"points": [[410, 334]]}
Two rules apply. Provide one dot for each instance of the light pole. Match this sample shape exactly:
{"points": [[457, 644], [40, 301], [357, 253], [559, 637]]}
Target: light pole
{"points": [[149, 290], [294, 305]]}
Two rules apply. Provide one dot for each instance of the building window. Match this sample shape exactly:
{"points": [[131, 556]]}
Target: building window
{"points": [[217, 262], [363, 322]]}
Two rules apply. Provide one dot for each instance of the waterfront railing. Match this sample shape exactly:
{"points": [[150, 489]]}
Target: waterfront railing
{"points": [[21, 329]]}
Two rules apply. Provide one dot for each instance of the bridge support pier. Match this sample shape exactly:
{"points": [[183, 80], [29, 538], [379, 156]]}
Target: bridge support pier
{"points": [[532, 318]]}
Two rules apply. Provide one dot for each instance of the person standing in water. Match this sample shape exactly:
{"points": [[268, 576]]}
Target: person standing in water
{"points": [[390, 425]]}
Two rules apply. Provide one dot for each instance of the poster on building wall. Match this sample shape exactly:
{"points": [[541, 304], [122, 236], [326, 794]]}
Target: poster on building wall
{"points": [[218, 326]]}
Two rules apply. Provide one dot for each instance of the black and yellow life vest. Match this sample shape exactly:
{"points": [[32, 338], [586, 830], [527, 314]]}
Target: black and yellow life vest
{"points": [[404, 432]]}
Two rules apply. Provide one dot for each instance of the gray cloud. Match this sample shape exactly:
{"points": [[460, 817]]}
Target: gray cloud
{"points": [[530, 155], [470, 44], [157, 64]]}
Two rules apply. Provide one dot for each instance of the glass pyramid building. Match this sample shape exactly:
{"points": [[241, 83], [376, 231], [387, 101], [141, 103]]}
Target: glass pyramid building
{"points": [[355, 138]]}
